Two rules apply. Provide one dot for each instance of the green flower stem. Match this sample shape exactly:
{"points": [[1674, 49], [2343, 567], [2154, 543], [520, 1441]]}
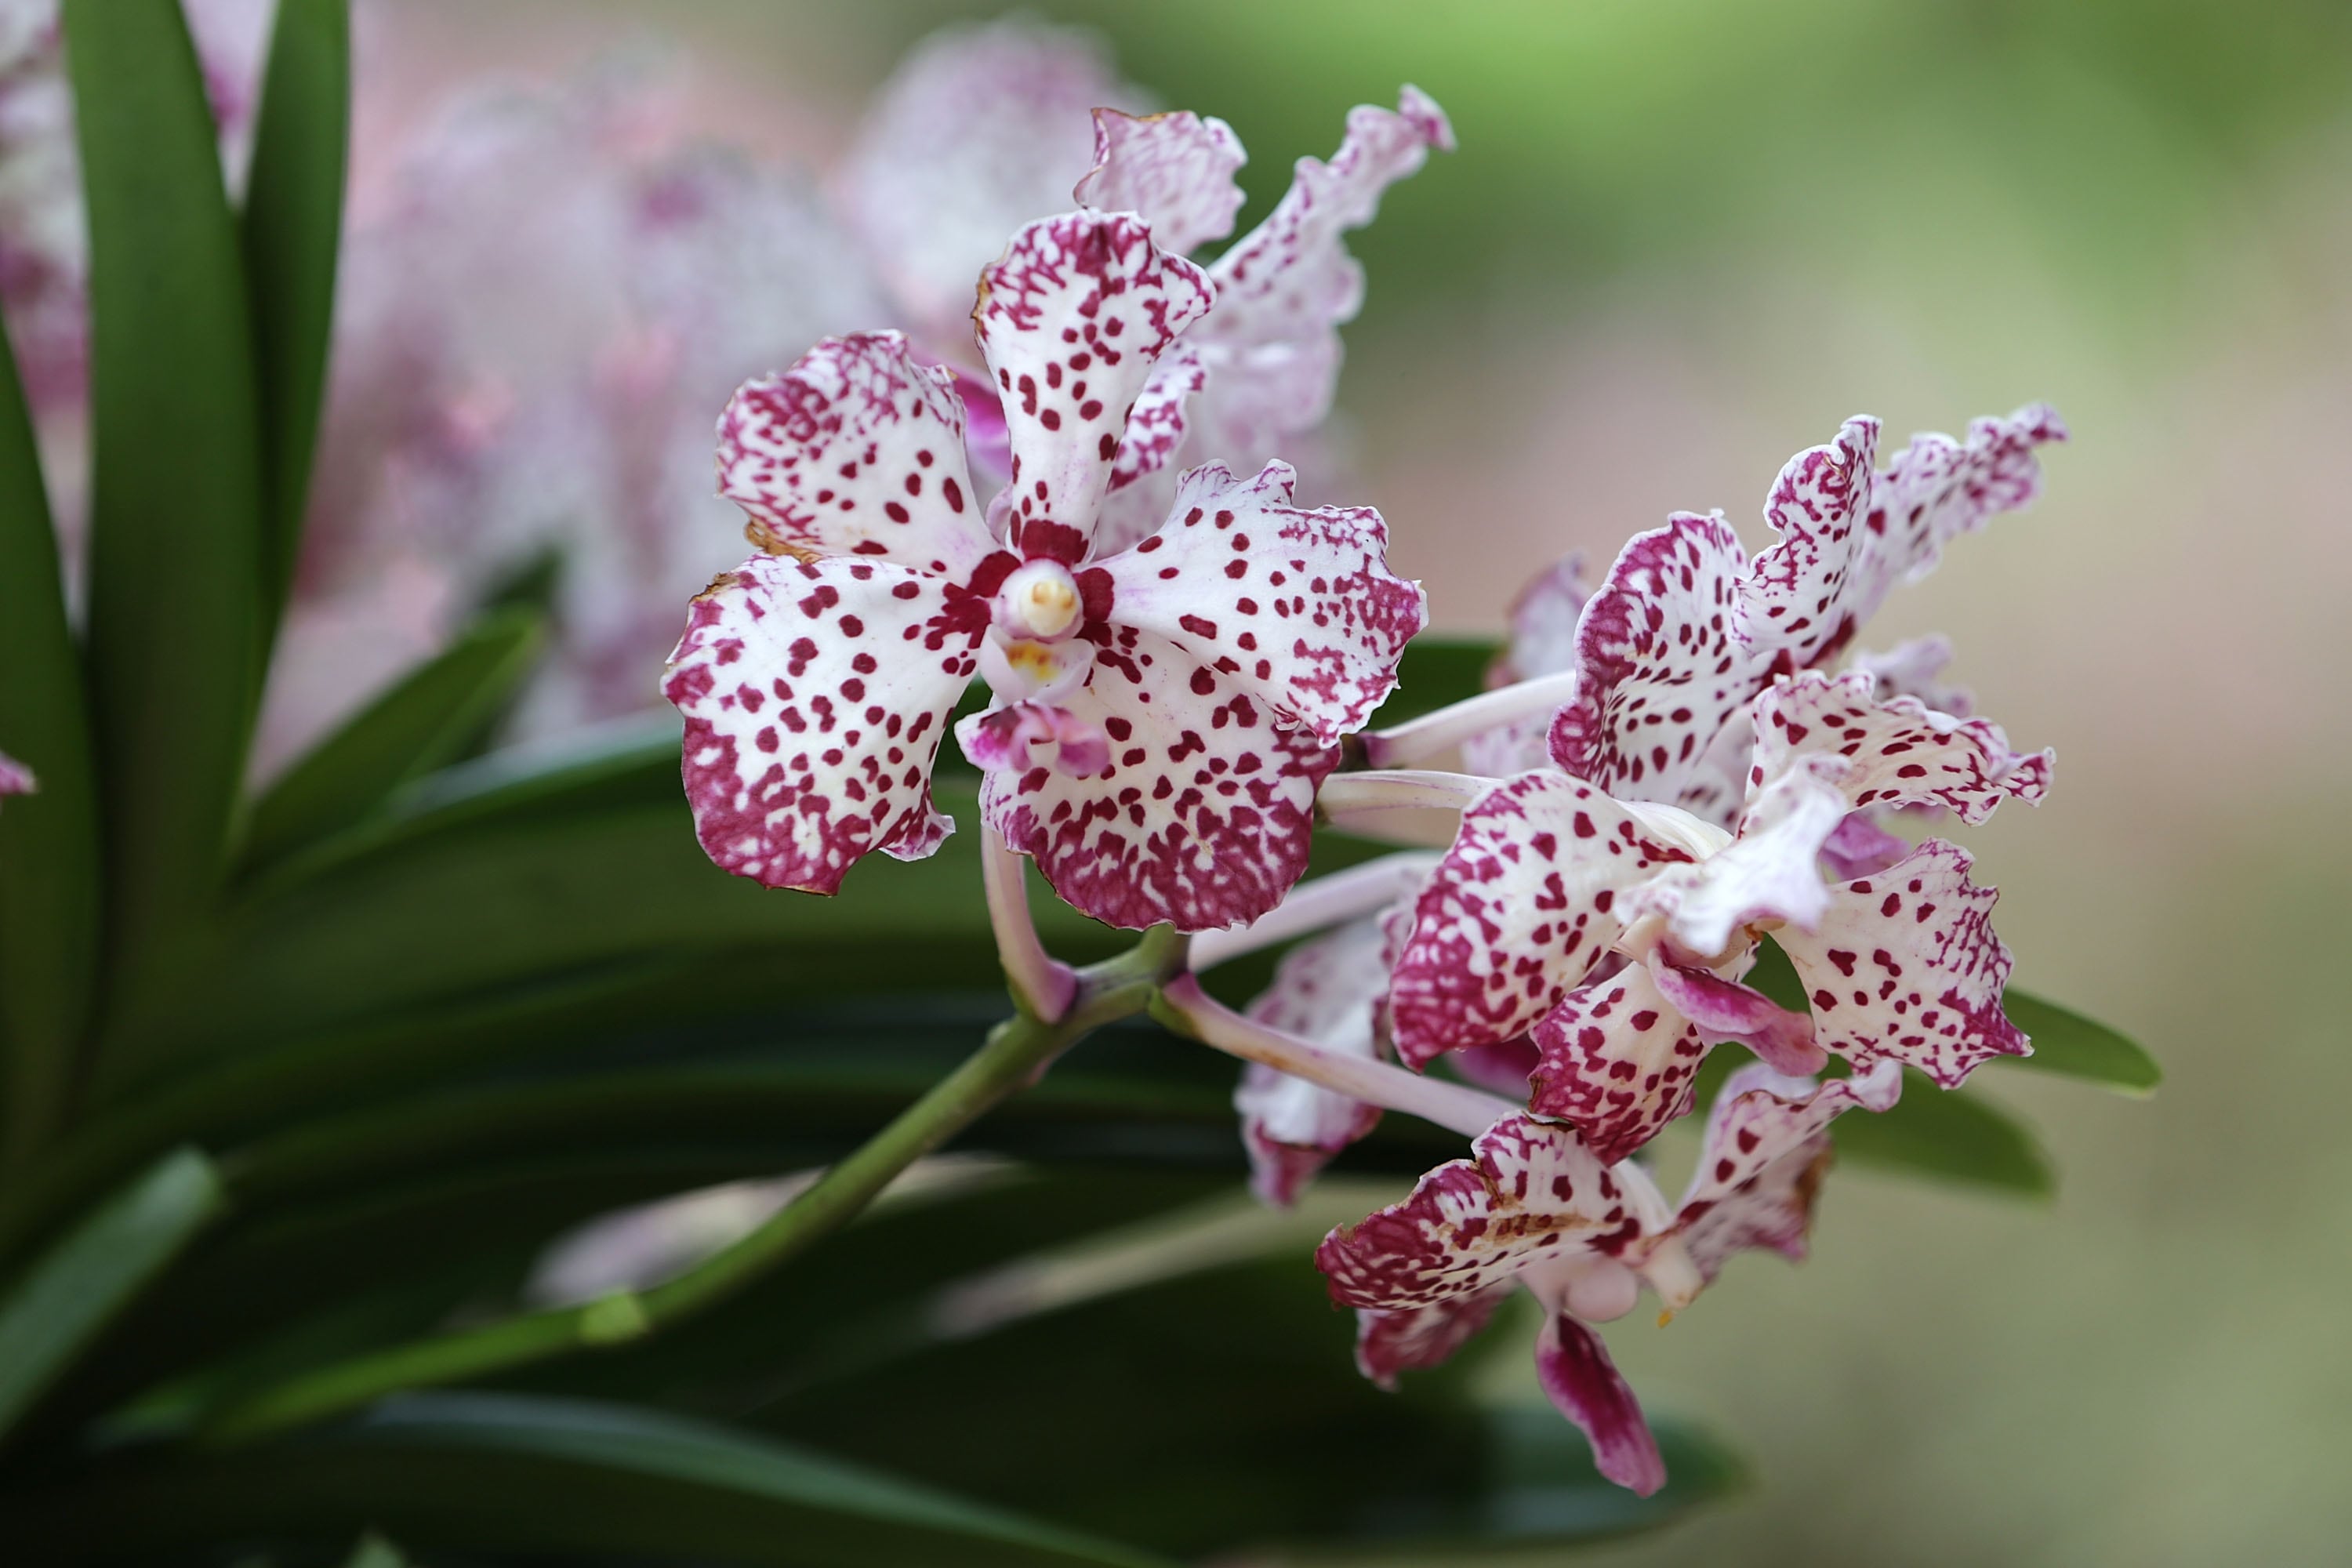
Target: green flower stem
{"points": [[1016, 1052]]}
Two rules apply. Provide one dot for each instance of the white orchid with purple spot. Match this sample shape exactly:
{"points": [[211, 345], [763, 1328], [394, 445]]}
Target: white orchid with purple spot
{"points": [[1162, 714]]}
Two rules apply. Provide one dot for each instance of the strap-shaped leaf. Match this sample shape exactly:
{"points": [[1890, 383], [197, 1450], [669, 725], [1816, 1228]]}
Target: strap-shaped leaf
{"points": [[292, 225], [49, 841], [2066, 1043], [1956, 1136], [72, 1290], [423, 720], [455, 1472], [175, 617]]}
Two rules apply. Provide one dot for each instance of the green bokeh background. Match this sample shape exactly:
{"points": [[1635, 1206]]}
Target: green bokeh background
{"points": [[1680, 241]]}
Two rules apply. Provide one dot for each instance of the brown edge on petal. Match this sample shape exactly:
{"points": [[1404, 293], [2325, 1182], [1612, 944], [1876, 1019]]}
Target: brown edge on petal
{"points": [[768, 543]]}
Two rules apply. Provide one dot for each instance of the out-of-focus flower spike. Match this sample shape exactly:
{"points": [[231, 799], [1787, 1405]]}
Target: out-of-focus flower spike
{"points": [[15, 778], [1175, 170]]}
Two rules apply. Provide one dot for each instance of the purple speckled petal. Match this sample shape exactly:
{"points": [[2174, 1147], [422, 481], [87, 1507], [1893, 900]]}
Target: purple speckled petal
{"points": [[1296, 608], [1771, 871], [1905, 966], [814, 695], [15, 778], [1761, 1162], [1531, 1192], [1326, 991], [1174, 170], [1897, 752], [1518, 911], [855, 450], [1071, 320], [1202, 816], [1721, 1009], [1584, 1385], [1938, 488], [1618, 1062], [1660, 670], [1412, 1339], [1155, 428]]}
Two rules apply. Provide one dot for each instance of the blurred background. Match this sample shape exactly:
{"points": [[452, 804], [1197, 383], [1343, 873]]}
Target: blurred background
{"points": [[1680, 241]]}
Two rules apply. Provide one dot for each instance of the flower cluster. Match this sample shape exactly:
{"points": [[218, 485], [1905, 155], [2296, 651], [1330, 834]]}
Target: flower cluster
{"points": [[1682, 767]]}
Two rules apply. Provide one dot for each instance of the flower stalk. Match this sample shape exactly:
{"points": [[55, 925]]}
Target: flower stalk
{"points": [[1434, 734], [1015, 1052]]}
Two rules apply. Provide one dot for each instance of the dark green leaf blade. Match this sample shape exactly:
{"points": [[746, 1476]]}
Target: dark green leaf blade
{"points": [[1953, 1136], [423, 720], [175, 617], [74, 1289], [291, 229], [502, 1473], [2066, 1043], [49, 841]]}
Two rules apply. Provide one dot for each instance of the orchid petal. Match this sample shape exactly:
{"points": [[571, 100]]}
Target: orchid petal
{"points": [[1412, 1339], [1297, 608], [1071, 320], [1203, 816], [1861, 847], [1326, 992], [1175, 171], [1721, 1010], [1897, 751], [978, 131], [1543, 642], [15, 778], [1912, 669], [1661, 671], [1771, 871], [1519, 909], [1531, 1192], [1800, 607], [814, 695], [855, 450], [1618, 1062], [1938, 488], [1155, 427], [1905, 966], [1760, 1164], [1585, 1386]]}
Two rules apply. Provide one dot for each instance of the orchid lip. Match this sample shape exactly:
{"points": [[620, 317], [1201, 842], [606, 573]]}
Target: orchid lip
{"points": [[1026, 669]]}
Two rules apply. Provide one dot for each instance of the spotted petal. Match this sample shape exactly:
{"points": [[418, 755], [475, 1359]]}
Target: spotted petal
{"points": [[1175, 171], [1659, 668], [1326, 991], [1905, 966], [1915, 669], [1897, 751], [1769, 872], [1071, 320], [1410, 1339], [1203, 816], [814, 695], [1585, 1386], [1298, 608], [1801, 607], [1530, 1193], [1938, 488], [1760, 1165], [1618, 1062], [1520, 908], [855, 450]]}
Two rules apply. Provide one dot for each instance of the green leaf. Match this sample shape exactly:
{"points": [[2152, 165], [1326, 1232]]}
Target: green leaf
{"points": [[176, 628], [375, 1551], [488, 1472], [72, 1290], [49, 841], [2066, 1043], [423, 720], [1951, 1135], [292, 225]]}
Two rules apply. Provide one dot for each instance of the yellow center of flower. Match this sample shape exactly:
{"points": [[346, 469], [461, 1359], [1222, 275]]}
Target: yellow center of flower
{"points": [[1039, 600]]}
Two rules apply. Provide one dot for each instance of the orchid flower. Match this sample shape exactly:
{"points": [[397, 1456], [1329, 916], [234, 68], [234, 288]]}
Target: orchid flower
{"points": [[15, 778], [1265, 364], [1163, 715], [1536, 1207], [1616, 932]]}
